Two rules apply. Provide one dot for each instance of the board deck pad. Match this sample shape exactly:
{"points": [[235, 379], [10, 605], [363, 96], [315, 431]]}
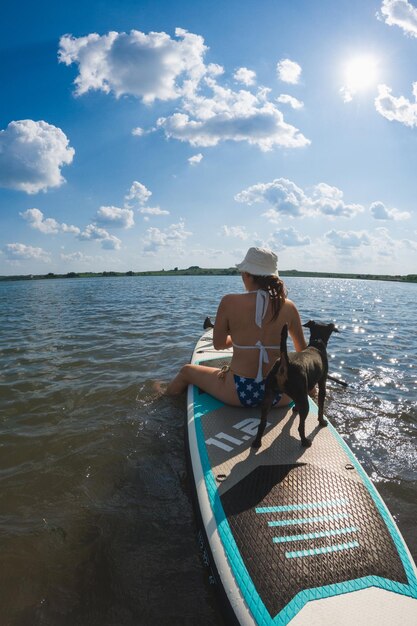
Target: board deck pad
{"points": [[295, 524]]}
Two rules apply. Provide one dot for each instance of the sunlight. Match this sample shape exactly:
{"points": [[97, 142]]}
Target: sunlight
{"points": [[360, 74]]}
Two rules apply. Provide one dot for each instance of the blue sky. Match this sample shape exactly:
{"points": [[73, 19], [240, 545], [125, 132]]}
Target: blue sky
{"points": [[149, 135]]}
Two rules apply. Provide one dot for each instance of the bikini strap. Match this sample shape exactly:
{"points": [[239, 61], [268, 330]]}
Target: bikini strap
{"points": [[263, 358], [262, 301]]}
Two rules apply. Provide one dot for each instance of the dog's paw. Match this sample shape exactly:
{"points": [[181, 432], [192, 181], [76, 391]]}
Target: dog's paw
{"points": [[306, 443], [323, 422]]}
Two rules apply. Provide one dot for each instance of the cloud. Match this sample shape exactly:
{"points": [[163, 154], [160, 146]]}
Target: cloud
{"points": [[78, 257], [107, 241], [400, 13], [293, 102], [196, 159], [138, 193], [147, 210], [171, 237], [31, 156], [328, 200], [289, 71], [235, 231], [232, 115], [283, 194], [20, 251], [245, 76], [149, 66], [49, 225], [138, 131], [288, 199], [346, 240], [397, 109], [289, 238], [113, 216], [381, 212]]}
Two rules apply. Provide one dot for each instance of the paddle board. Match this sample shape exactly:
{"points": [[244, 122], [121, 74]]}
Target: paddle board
{"points": [[292, 535]]}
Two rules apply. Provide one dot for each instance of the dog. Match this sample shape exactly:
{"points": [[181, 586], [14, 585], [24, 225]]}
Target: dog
{"points": [[295, 374]]}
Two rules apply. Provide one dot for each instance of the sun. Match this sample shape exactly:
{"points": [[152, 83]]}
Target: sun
{"points": [[360, 74]]}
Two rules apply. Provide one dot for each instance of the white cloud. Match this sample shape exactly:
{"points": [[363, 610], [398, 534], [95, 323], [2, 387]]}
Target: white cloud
{"points": [[20, 251], [397, 109], [113, 216], [289, 238], [138, 193], [409, 244], [147, 210], [78, 257], [31, 156], [141, 132], [154, 65], [49, 225], [245, 76], [107, 241], [235, 116], [381, 212], [171, 237], [282, 193], [287, 198], [328, 200], [346, 240], [400, 13], [289, 71], [235, 231], [148, 66], [196, 159], [293, 102]]}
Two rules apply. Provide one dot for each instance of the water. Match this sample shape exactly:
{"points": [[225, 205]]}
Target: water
{"points": [[96, 520]]}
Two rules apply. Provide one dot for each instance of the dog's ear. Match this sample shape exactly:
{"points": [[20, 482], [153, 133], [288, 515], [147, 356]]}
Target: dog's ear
{"points": [[309, 324], [334, 329]]}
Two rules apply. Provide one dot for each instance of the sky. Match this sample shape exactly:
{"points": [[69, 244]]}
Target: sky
{"points": [[150, 135]]}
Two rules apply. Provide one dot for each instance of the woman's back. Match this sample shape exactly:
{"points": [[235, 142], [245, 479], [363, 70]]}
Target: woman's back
{"points": [[241, 312]]}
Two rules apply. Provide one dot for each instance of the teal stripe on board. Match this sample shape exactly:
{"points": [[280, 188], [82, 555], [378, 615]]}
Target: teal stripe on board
{"points": [[308, 520], [318, 535], [302, 507], [326, 550]]}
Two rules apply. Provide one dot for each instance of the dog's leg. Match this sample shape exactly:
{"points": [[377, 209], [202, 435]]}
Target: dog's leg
{"points": [[257, 442], [321, 398], [265, 408], [303, 408]]}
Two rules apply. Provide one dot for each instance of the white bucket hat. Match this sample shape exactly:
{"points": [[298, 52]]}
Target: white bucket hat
{"points": [[259, 262]]}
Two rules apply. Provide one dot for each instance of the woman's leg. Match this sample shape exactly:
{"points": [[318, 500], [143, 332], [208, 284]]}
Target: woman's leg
{"points": [[207, 379]]}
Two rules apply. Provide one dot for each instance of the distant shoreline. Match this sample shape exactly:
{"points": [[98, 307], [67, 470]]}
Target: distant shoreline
{"points": [[200, 271]]}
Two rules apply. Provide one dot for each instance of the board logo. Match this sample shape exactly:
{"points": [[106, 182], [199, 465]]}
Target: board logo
{"points": [[228, 443]]}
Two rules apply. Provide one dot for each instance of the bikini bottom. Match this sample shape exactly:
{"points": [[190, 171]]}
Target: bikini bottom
{"points": [[250, 392]]}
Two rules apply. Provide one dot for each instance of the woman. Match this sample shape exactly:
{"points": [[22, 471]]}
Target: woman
{"points": [[250, 322]]}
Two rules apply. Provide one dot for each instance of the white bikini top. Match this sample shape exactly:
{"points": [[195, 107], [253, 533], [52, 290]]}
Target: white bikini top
{"points": [[262, 302]]}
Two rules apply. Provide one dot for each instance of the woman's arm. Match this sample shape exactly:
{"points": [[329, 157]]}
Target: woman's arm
{"points": [[221, 337], [295, 328]]}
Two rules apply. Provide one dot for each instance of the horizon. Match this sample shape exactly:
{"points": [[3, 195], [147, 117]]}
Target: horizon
{"points": [[162, 135]]}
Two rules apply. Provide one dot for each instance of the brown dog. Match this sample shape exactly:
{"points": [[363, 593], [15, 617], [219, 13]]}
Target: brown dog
{"points": [[295, 373]]}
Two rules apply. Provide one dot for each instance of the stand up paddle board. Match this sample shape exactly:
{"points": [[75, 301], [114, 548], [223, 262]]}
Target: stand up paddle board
{"points": [[292, 535]]}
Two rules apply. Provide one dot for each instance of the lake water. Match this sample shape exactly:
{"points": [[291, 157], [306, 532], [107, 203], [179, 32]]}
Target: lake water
{"points": [[96, 519]]}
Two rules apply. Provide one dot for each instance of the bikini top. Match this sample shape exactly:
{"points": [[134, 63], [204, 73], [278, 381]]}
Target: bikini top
{"points": [[262, 302]]}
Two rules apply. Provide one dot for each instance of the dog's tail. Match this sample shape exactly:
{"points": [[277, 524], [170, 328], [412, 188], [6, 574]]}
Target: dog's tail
{"points": [[283, 345], [282, 373]]}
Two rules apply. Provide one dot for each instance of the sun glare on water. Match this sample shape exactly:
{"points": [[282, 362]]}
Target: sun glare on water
{"points": [[360, 74]]}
